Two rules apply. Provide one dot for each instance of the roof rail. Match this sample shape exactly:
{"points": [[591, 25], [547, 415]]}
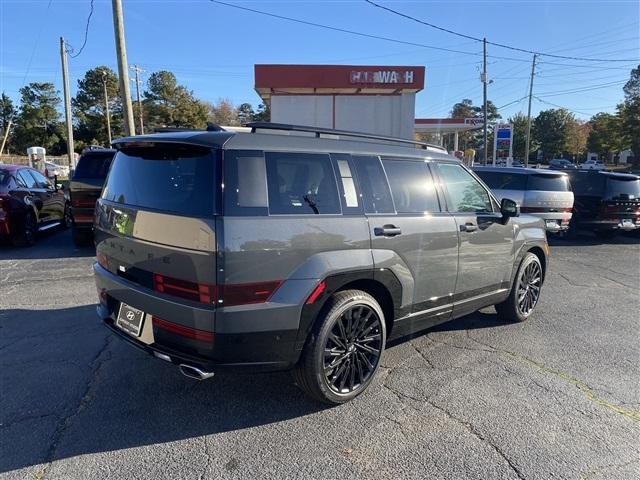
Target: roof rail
{"points": [[211, 127], [330, 131]]}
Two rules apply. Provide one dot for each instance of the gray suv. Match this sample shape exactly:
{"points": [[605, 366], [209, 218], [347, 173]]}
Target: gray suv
{"points": [[301, 248]]}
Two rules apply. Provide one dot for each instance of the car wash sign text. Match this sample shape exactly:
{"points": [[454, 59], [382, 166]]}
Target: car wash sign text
{"points": [[382, 76]]}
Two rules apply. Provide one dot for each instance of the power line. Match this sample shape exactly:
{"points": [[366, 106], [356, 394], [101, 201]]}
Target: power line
{"points": [[579, 90], [86, 35], [495, 44], [560, 106]]}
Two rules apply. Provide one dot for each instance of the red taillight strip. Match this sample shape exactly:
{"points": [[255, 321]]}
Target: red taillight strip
{"points": [[81, 203], [192, 333], [102, 260], [82, 218], [316, 292]]}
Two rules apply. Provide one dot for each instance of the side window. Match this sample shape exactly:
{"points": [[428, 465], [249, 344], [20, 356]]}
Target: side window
{"points": [[412, 186], [464, 193], [19, 181], [301, 183], [374, 186], [27, 180], [344, 168], [245, 183], [41, 180]]}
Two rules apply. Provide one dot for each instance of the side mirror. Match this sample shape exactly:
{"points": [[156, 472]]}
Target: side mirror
{"points": [[509, 208]]}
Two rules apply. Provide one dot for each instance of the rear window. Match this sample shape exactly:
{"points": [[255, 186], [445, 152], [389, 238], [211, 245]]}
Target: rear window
{"points": [[548, 183], [412, 186], [301, 183], [587, 183], [623, 188], [178, 179], [93, 165], [503, 180]]}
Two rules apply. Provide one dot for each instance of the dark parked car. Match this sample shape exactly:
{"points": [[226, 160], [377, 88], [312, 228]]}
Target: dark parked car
{"points": [[605, 202], [84, 190], [561, 164], [29, 203], [271, 252]]}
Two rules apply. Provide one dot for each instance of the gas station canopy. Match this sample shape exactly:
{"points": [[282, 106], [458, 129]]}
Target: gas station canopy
{"points": [[443, 126]]}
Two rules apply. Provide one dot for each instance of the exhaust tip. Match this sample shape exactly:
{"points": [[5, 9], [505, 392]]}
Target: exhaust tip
{"points": [[194, 372]]}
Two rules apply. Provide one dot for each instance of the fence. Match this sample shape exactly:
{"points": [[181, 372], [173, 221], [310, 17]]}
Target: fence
{"points": [[24, 160]]}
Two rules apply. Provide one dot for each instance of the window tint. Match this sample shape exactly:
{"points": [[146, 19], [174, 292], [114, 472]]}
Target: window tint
{"points": [[548, 183], [503, 181], [171, 178], [245, 181], [41, 180], [586, 183], [622, 188], [301, 183], [464, 192], [412, 186], [4, 177], [27, 180], [373, 183], [94, 165]]}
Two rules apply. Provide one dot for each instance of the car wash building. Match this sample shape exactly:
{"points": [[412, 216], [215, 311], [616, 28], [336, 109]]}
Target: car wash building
{"points": [[371, 99]]}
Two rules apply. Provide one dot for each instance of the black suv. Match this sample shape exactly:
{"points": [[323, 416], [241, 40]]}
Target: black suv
{"points": [[605, 202], [29, 203], [84, 190]]}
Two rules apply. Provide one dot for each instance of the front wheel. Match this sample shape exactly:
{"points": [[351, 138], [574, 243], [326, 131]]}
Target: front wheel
{"points": [[25, 236], [525, 291], [344, 350]]}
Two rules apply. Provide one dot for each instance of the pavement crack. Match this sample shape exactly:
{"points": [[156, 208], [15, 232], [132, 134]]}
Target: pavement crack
{"points": [[96, 366], [26, 418], [422, 354], [469, 427]]}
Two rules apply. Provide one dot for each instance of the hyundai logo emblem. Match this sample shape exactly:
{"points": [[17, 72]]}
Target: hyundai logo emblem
{"points": [[130, 315]]}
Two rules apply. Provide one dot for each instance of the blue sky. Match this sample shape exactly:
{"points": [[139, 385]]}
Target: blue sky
{"points": [[212, 48]]}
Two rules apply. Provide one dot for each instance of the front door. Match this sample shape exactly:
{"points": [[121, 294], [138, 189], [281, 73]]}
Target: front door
{"points": [[411, 236], [485, 240]]}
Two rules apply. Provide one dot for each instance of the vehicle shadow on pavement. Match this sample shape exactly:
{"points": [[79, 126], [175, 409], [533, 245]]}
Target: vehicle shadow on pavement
{"points": [[56, 245], [583, 239], [70, 387]]}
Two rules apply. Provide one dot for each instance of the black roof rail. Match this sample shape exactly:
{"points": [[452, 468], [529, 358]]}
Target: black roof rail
{"points": [[330, 131], [211, 127]]}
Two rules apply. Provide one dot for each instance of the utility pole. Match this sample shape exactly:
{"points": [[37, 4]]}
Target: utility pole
{"points": [[67, 103], [6, 135], [484, 99], [106, 105], [123, 68], [526, 143], [138, 71]]}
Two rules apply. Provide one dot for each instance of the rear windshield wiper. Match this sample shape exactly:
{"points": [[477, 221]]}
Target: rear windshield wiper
{"points": [[311, 203]]}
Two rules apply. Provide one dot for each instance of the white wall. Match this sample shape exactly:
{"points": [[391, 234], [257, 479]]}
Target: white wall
{"points": [[392, 115]]}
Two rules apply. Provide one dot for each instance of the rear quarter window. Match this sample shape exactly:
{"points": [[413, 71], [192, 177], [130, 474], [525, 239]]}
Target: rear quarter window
{"points": [[170, 178], [548, 183]]}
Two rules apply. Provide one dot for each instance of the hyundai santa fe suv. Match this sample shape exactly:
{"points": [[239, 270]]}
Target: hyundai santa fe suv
{"points": [[268, 251]]}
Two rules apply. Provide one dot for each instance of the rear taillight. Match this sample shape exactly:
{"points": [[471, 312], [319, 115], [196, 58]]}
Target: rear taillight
{"points": [[188, 332], [224, 295], [83, 203], [102, 260]]}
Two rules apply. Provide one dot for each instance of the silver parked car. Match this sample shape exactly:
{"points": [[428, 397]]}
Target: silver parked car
{"points": [[262, 251], [543, 193]]}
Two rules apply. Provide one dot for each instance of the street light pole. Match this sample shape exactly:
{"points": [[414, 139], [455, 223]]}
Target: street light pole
{"points": [[123, 68]]}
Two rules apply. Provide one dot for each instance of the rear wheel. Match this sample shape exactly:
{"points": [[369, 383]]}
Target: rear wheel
{"points": [[344, 350], [525, 291], [25, 236]]}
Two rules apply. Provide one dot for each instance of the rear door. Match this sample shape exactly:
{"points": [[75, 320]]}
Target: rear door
{"points": [[622, 199], [410, 234], [53, 202], [34, 195], [485, 241]]}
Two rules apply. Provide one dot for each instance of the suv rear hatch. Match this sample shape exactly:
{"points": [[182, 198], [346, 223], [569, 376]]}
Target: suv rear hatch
{"points": [[155, 229], [621, 200], [86, 184]]}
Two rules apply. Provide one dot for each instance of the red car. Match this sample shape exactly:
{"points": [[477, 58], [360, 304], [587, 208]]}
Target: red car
{"points": [[29, 203]]}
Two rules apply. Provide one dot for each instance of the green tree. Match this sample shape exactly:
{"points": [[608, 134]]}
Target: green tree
{"points": [[222, 113], [551, 129], [168, 104], [245, 113], [89, 107], [606, 136], [519, 126], [576, 139], [629, 113], [474, 138], [263, 114], [7, 112], [38, 120]]}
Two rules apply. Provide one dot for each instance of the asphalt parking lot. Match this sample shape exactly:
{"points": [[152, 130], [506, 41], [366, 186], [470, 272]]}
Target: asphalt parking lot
{"points": [[555, 397]]}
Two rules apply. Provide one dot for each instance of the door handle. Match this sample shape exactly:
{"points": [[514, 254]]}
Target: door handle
{"points": [[468, 227], [386, 231]]}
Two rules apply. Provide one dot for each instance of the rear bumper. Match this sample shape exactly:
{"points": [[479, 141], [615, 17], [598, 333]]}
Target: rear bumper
{"points": [[270, 348], [554, 222], [615, 224], [82, 217]]}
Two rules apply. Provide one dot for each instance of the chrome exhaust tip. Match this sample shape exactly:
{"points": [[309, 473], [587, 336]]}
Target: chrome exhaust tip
{"points": [[194, 372]]}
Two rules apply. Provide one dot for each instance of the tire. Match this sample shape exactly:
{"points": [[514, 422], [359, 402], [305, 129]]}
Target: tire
{"points": [[26, 235], [525, 291], [334, 368], [67, 221], [81, 238]]}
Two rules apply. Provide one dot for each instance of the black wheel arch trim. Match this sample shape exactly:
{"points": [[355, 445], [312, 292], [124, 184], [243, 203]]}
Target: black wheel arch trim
{"points": [[524, 249], [337, 282]]}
